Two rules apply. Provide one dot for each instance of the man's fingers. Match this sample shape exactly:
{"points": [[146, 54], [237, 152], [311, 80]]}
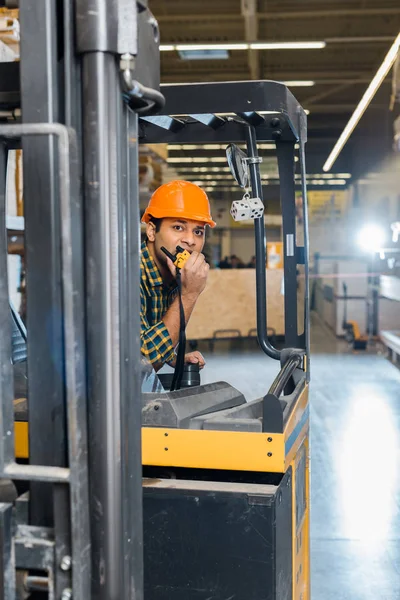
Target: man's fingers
{"points": [[194, 260], [195, 358]]}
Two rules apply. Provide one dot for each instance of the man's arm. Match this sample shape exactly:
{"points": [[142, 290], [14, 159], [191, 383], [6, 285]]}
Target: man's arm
{"points": [[158, 341], [155, 341], [194, 278]]}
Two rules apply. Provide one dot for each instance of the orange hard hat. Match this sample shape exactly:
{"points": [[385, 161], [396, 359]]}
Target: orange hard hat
{"points": [[180, 199]]}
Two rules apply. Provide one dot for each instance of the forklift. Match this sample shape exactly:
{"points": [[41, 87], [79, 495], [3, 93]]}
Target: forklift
{"points": [[352, 335], [226, 478], [124, 489]]}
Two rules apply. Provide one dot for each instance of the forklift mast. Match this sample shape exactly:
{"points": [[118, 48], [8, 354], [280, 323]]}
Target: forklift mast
{"points": [[87, 69]]}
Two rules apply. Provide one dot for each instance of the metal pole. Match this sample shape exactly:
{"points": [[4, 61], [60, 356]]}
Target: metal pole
{"points": [[285, 155], [101, 137], [372, 297], [40, 104], [131, 407], [307, 321], [7, 553], [6, 374], [259, 229], [106, 31]]}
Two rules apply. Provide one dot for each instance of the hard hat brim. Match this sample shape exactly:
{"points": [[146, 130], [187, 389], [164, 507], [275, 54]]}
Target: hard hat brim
{"points": [[162, 213]]}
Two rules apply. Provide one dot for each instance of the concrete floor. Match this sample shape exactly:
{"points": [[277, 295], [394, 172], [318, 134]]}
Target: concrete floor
{"points": [[355, 462]]}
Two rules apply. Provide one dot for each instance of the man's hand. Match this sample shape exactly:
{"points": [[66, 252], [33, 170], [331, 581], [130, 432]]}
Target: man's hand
{"points": [[194, 274], [195, 358]]}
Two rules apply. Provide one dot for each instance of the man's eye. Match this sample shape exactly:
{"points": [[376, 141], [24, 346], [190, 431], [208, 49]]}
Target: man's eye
{"points": [[199, 232], [178, 227]]}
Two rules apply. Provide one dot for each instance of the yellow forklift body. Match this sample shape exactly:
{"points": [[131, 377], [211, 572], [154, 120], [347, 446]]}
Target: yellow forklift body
{"points": [[230, 450]]}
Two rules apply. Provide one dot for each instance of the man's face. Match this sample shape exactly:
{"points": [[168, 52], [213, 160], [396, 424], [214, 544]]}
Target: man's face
{"points": [[190, 235]]}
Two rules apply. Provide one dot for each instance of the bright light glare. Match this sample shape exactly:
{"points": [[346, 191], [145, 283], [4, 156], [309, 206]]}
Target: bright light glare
{"points": [[368, 444], [371, 238]]}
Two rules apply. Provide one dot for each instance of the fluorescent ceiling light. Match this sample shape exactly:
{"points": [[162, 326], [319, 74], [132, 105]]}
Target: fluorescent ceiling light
{"points": [[201, 159], [326, 182], [364, 103], [180, 147], [196, 159], [244, 46], [187, 169], [306, 111], [189, 47], [287, 45], [223, 189], [326, 175], [299, 83], [211, 183], [220, 54]]}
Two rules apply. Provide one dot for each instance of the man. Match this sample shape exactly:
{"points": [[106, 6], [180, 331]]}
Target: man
{"points": [[177, 215]]}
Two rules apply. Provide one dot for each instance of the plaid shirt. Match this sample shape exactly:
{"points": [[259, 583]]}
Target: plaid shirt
{"points": [[155, 298]]}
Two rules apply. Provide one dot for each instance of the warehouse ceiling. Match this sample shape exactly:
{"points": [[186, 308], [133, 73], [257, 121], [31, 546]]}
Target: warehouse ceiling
{"points": [[357, 34]]}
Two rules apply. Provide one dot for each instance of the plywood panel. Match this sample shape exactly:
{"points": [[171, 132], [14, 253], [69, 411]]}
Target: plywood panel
{"points": [[229, 302]]}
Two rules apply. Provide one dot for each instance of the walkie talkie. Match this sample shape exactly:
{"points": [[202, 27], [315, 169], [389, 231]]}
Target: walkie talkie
{"points": [[180, 258]]}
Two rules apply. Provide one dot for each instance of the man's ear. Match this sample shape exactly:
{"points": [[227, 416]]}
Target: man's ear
{"points": [[151, 231]]}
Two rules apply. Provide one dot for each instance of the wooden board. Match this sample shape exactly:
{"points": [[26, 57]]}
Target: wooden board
{"points": [[229, 302]]}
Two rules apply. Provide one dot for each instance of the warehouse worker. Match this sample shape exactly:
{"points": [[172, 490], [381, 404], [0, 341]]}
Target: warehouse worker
{"points": [[177, 215]]}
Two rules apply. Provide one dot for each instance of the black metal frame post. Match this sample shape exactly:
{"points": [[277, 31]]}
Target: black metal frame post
{"points": [[131, 375], [285, 156], [260, 241], [112, 301], [373, 297], [40, 103], [101, 187], [306, 252]]}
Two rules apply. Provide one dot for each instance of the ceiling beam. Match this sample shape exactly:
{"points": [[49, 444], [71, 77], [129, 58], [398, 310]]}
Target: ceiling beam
{"points": [[342, 108], [185, 76], [249, 12], [278, 16], [333, 90], [336, 12]]}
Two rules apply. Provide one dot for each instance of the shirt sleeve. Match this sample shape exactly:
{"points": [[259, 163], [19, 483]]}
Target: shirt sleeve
{"points": [[155, 341]]}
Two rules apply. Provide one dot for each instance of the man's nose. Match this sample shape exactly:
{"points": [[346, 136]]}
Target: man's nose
{"points": [[188, 238]]}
